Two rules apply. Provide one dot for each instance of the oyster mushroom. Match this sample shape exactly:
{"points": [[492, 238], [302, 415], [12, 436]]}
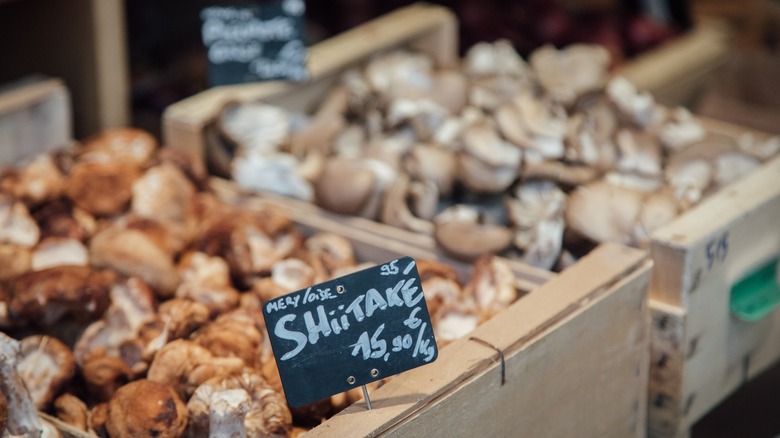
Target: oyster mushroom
{"points": [[559, 172], [658, 209], [278, 173], [45, 365], [317, 136], [534, 123], [537, 211], [464, 234], [396, 211], [428, 162], [487, 164], [330, 251], [763, 149], [731, 166], [184, 365], [589, 138], [255, 126], [639, 153], [354, 186], [603, 212], [17, 227], [638, 108], [569, 73], [680, 130], [22, 416], [268, 414], [689, 179], [400, 74], [499, 58], [146, 408]]}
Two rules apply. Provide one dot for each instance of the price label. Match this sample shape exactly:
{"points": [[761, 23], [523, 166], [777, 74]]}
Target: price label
{"points": [[350, 331], [255, 43]]}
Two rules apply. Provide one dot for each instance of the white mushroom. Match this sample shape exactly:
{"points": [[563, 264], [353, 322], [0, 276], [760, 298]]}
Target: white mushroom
{"points": [[639, 153], [256, 127], [680, 130], [537, 213], [487, 164], [637, 107], [278, 173], [603, 212], [569, 73]]}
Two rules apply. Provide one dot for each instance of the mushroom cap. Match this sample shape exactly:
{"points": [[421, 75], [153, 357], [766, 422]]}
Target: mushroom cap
{"points": [[268, 414], [234, 334], [129, 145], [428, 162], [38, 181], [134, 252], [102, 188], [254, 126], [569, 73], [59, 251], [331, 251], [344, 186], [603, 212], [165, 194], [492, 59], [492, 285], [185, 365], [104, 375], [396, 212], [15, 260], [72, 411], [60, 218], [278, 173], [45, 365], [44, 297], [17, 227], [146, 408], [465, 238], [182, 317]]}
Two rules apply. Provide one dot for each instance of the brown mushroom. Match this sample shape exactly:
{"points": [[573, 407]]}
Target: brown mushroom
{"points": [[464, 234], [182, 317], [354, 186], [165, 194], [102, 188], [60, 218], [72, 411], [227, 411], [3, 413], [98, 417], [139, 252], [184, 365], [104, 375], [23, 419], [17, 227], [396, 212], [428, 162], [254, 126], [492, 285], [238, 333], [128, 145], [268, 414], [146, 408], [39, 181], [15, 260], [44, 297], [45, 365], [206, 280]]}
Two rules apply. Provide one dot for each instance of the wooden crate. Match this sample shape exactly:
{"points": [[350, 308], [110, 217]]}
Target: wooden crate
{"points": [[700, 351], [575, 357], [34, 118]]}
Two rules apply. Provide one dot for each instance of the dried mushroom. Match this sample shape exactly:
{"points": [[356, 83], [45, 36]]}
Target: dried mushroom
{"points": [[146, 408], [72, 411], [102, 188], [17, 227], [267, 415], [45, 365]]}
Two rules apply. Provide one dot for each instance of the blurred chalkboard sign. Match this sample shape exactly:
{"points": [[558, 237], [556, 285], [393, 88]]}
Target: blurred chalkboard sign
{"points": [[250, 43], [343, 333]]}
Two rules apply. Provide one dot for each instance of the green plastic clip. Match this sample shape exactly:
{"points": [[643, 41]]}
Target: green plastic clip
{"points": [[756, 295]]}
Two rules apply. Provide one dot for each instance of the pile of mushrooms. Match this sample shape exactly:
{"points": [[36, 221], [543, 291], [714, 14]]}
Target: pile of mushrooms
{"points": [[535, 160], [130, 297]]}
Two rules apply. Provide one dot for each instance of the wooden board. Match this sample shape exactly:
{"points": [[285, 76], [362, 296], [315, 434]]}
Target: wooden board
{"points": [[429, 28], [720, 352], [34, 118], [575, 361]]}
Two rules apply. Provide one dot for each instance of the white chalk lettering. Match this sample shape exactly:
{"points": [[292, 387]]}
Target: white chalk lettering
{"points": [[282, 333], [389, 269], [374, 301], [407, 291], [315, 328]]}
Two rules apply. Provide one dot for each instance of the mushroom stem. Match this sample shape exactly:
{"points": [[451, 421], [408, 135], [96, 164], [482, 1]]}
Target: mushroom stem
{"points": [[227, 410], [23, 418]]}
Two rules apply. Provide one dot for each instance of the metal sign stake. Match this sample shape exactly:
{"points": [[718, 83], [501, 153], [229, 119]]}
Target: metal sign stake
{"points": [[365, 396]]}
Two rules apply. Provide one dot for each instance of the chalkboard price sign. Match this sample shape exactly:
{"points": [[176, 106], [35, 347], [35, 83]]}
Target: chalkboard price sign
{"points": [[350, 331], [255, 43]]}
